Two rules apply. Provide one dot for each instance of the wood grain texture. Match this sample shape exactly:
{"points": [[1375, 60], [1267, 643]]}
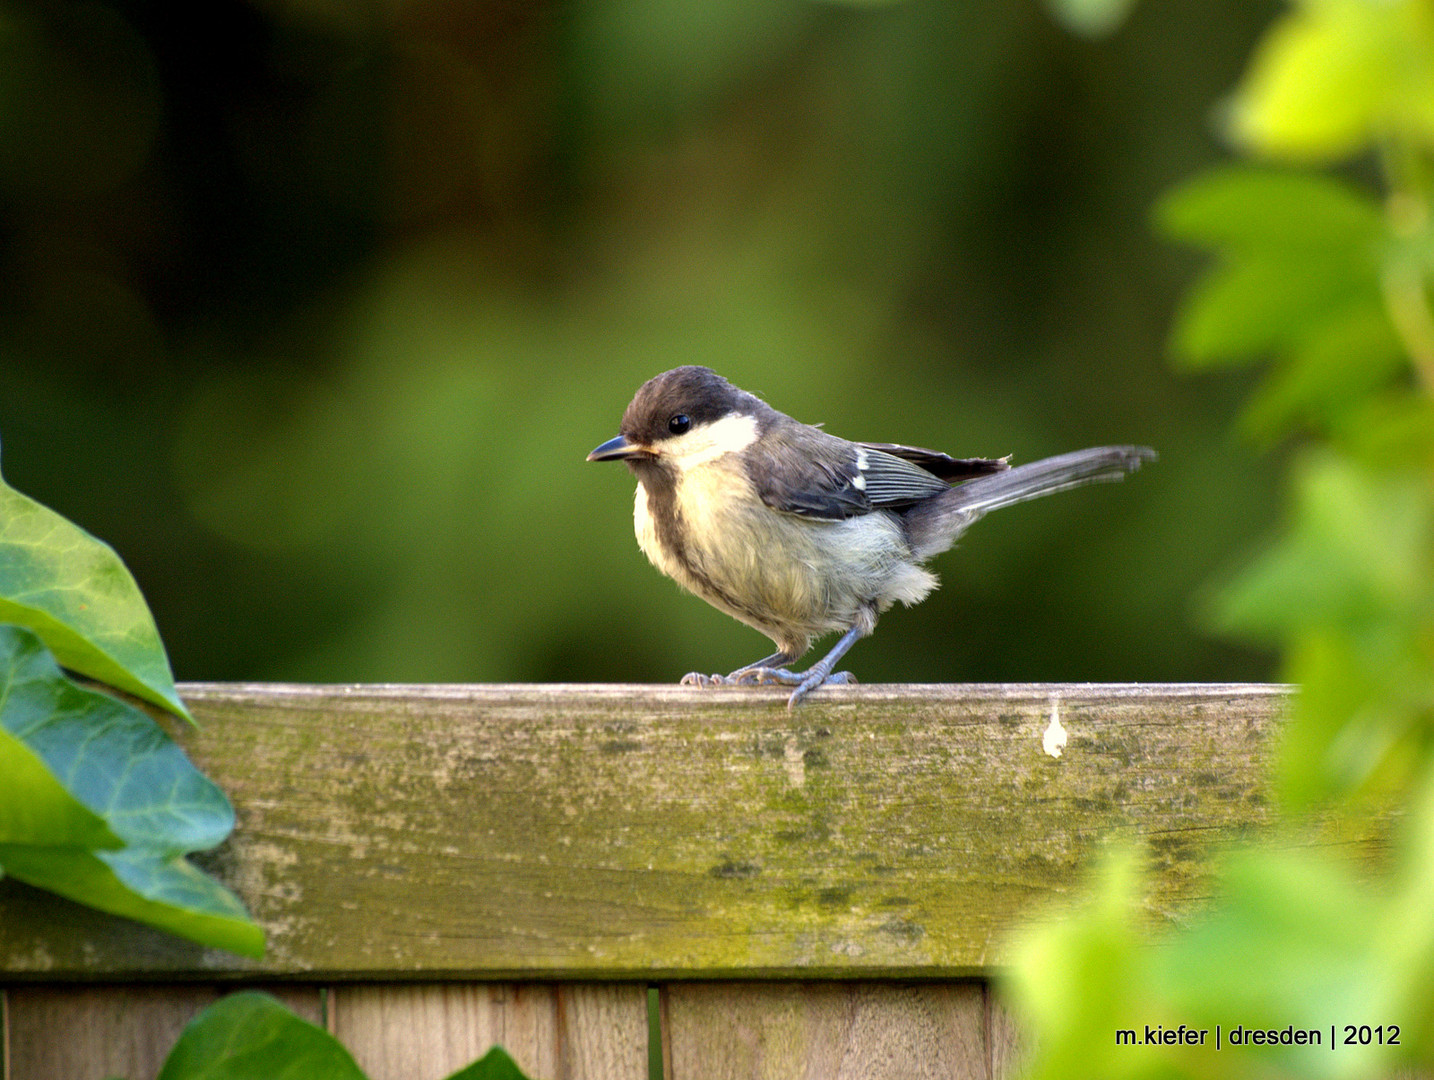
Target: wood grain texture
{"points": [[608, 832], [97, 1032], [826, 1031], [553, 1031], [1004, 1040]]}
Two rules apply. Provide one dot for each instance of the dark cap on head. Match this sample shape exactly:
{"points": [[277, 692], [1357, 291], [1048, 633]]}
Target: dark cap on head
{"points": [[698, 393]]}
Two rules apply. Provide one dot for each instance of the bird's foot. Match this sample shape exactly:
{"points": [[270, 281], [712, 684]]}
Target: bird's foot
{"points": [[764, 676], [804, 681], [782, 677], [814, 679], [770, 676]]}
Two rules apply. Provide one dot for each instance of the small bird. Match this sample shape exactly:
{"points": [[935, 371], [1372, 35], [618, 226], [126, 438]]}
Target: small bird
{"points": [[799, 533]]}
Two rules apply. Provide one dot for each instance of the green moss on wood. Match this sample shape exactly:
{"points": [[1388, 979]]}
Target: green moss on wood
{"points": [[645, 832]]}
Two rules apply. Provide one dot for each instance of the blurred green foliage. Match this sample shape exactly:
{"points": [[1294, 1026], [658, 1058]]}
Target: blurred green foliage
{"points": [[1093, 18], [1329, 277], [313, 310]]}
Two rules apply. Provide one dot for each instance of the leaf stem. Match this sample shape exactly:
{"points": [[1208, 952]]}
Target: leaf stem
{"points": [[1408, 304]]}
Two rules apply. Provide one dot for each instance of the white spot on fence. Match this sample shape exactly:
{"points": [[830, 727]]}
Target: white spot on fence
{"points": [[1054, 740]]}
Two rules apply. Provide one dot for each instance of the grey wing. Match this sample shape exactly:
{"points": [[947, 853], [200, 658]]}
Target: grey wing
{"points": [[816, 475], [893, 481], [943, 465]]}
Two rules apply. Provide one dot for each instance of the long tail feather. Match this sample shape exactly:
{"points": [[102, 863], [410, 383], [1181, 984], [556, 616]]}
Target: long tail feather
{"points": [[934, 525]]}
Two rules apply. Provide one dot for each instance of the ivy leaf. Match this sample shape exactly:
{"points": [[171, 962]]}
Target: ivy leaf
{"points": [[120, 809], [1085, 971], [1356, 556], [1244, 310], [36, 808], [138, 884], [76, 593], [249, 1035], [494, 1065]]}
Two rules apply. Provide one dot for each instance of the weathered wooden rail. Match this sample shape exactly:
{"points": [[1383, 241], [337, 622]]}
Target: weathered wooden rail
{"points": [[818, 894]]}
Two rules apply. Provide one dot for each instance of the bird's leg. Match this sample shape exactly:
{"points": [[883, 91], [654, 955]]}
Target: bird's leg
{"points": [[749, 674], [754, 672], [820, 673], [771, 672]]}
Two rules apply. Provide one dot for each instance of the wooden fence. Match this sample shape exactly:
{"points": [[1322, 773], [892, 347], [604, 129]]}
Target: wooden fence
{"points": [[821, 894]]}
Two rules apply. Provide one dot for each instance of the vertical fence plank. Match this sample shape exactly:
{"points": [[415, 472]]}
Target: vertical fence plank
{"points": [[420, 1032], [603, 1032], [96, 1032], [826, 1031], [1007, 1046], [553, 1031]]}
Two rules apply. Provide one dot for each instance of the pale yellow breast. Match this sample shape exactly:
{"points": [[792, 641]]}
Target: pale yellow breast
{"points": [[646, 530], [789, 577]]}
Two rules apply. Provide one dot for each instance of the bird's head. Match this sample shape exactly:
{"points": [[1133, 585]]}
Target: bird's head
{"points": [[683, 418]]}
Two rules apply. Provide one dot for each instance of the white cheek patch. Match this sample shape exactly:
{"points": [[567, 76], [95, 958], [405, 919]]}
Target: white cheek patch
{"points": [[709, 442]]}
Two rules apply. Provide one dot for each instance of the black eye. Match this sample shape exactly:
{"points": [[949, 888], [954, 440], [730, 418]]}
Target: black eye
{"points": [[679, 423]]}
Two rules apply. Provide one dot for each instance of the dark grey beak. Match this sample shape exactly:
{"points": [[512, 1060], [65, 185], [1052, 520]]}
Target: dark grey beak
{"points": [[618, 449]]}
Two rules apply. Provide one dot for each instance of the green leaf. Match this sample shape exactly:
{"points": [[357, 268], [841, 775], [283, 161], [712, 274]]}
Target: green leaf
{"points": [[1357, 555], [1090, 18], [1246, 309], [1280, 944], [1404, 941], [1085, 972], [1334, 76], [121, 780], [74, 591], [110, 756], [1342, 734], [250, 1036], [1245, 208], [1392, 430], [1290, 937], [139, 884], [494, 1065], [36, 808], [1299, 251], [1325, 380], [1348, 590]]}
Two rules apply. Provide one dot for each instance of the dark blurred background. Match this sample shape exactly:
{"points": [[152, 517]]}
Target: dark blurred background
{"points": [[312, 309]]}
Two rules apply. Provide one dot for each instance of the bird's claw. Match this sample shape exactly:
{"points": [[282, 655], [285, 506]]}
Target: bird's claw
{"points": [[804, 681], [756, 676], [815, 679], [768, 676], [783, 677]]}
